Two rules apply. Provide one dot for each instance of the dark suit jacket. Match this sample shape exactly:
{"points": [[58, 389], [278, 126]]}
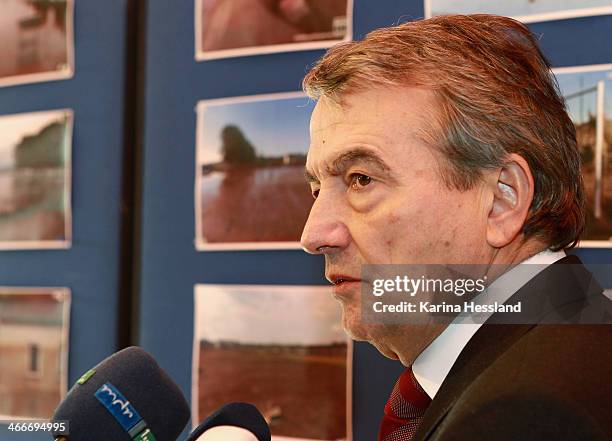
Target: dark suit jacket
{"points": [[537, 381]]}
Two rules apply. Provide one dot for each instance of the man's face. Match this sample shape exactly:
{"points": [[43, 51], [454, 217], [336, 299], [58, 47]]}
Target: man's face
{"points": [[380, 200]]}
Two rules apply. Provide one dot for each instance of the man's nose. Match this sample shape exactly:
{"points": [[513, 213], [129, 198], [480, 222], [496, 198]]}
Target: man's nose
{"points": [[325, 231]]}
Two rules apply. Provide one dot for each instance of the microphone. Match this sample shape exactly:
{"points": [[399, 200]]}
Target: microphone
{"points": [[233, 422], [126, 397]]}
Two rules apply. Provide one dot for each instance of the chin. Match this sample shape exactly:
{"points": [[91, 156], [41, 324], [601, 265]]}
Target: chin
{"points": [[353, 327], [356, 334], [383, 347]]}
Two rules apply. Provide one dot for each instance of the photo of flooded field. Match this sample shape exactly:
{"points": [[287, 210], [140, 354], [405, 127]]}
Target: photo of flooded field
{"points": [[250, 187], [229, 28], [37, 42], [33, 351], [588, 96], [35, 180], [281, 348], [524, 10]]}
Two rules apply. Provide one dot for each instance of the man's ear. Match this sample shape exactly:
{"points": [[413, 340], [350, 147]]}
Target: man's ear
{"points": [[512, 187]]}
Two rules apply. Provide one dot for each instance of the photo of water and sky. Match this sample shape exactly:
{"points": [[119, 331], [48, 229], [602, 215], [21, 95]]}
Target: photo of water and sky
{"points": [[251, 155], [35, 179]]}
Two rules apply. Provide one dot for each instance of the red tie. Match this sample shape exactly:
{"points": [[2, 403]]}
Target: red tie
{"points": [[404, 409]]}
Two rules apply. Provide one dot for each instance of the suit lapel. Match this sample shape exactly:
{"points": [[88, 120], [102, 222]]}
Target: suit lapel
{"points": [[484, 348], [494, 338]]}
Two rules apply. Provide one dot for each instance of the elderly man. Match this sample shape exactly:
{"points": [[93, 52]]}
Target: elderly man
{"points": [[445, 141]]}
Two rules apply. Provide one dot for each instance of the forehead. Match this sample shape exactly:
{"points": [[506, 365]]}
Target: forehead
{"points": [[381, 118]]}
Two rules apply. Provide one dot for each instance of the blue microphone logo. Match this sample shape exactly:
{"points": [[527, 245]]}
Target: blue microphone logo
{"points": [[118, 406]]}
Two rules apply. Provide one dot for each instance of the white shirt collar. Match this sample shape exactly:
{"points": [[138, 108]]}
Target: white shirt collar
{"points": [[433, 364]]}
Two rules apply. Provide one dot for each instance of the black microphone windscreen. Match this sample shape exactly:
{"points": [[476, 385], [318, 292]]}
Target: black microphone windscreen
{"points": [[243, 415], [96, 408]]}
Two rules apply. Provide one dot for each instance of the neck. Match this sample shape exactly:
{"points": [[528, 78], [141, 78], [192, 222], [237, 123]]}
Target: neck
{"points": [[519, 250]]}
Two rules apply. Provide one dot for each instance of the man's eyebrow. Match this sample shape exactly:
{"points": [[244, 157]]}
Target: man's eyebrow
{"points": [[344, 160], [356, 155]]}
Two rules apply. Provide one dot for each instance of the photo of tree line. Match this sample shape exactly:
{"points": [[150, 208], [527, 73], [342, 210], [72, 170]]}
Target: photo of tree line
{"points": [[251, 189], [35, 179]]}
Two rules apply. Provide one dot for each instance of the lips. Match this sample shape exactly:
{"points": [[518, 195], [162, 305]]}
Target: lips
{"points": [[338, 279], [343, 284]]}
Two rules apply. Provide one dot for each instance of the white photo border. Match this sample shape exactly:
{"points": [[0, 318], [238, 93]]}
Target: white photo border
{"points": [[65, 295], [201, 55], [200, 243], [546, 16], [65, 73], [196, 357], [52, 244]]}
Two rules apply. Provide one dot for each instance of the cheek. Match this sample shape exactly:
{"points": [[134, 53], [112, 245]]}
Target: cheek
{"points": [[425, 223], [366, 201], [428, 229], [387, 232]]}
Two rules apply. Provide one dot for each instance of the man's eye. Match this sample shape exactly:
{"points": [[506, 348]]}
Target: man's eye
{"points": [[358, 181], [315, 193]]}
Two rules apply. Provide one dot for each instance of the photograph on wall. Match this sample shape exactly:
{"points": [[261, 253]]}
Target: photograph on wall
{"points": [[232, 28], [37, 41], [527, 11], [250, 188], [587, 92], [35, 180], [34, 328], [279, 347]]}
